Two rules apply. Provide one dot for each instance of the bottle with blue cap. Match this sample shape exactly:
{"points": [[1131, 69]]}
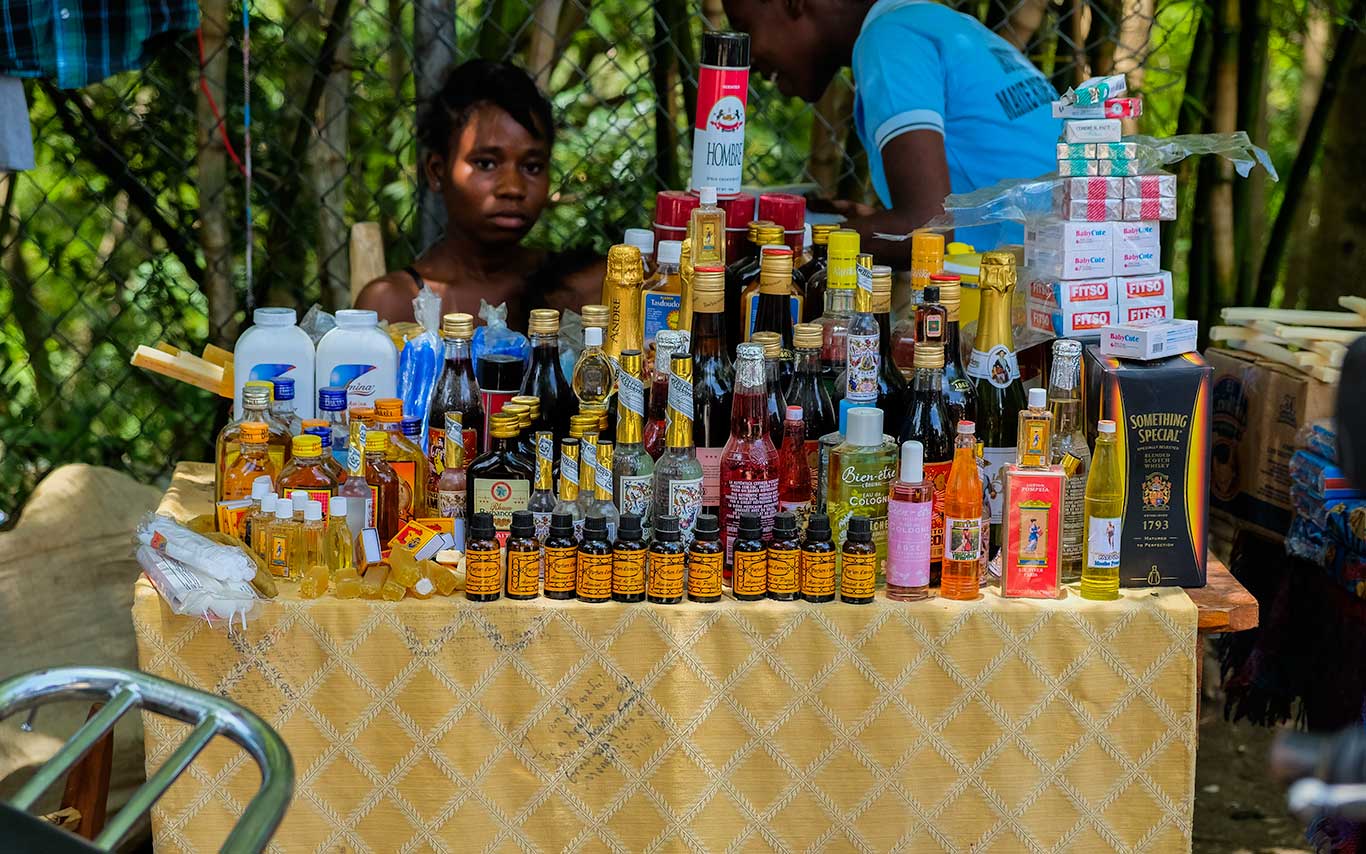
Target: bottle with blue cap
{"points": [[282, 405]]}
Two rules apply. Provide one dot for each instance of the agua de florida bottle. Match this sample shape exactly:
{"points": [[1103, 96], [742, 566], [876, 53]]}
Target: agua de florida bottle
{"points": [[749, 463]]}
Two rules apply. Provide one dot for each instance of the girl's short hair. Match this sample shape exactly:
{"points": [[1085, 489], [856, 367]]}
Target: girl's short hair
{"points": [[478, 82]]}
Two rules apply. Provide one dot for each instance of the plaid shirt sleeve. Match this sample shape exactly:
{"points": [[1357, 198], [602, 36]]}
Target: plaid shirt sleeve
{"points": [[79, 42]]}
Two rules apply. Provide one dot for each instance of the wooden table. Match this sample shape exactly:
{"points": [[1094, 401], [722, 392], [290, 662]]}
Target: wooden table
{"points": [[1224, 605]]}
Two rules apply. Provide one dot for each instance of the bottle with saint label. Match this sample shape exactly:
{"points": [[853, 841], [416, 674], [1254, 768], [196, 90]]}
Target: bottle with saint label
{"points": [[777, 305], [862, 358], [707, 232], [542, 501], [452, 489], [456, 391], [928, 424], [958, 390], [996, 377], [621, 294], [749, 464], [862, 469], [712, 378], [500, 480], [1104, 518], [632, 468], [544, 377], [840, 283], [1033, 448], [963, 514], [1069, 451], [775, 404], [667, 342], [806, 392]]}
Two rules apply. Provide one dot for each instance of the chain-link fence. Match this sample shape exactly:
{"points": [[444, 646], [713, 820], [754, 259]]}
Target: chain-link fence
{"points": [[131, 230]]}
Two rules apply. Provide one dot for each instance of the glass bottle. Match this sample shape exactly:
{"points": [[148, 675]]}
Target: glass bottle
{"points": [[405, 457], [1069, 451], [749, 463], [306, 470], [483, 560], [742, 275], [910, 514], [892, 392], [750, 558], [456, 391], [813, 272], [667, 563], [500, 480], [807, 392], [862, 357], [252, 461], [859, 560], [542, 501], [678, 482], [360, 501], [544, 376], [962, 520], [452, 487], [824, 447], [927, 259], [784, 557], [1104, 518], [523, 579], [595, 376], [862, 469], [255, 407], [818, 561], [778, 299], [604, 504], [662, 295], [928, 424], [794, 469], [707, 231], [633, 469], [568, 501], [628, 561], [332, 410], [666, 343], [385, 485], [712, 378], [594, 582], [320, 428], [621, 294], [311, 549], [706, 557], [775, 405], [958, 387], [996, 376], [642, 239], [261, 524], [282, 540], [841, 274], [340, 544], [1035, 431], [282, 405], [686, 273], [588, 475], [561, 550]]}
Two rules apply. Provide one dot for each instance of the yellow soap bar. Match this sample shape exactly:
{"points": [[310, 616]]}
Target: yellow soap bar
{"points": [[375, 576], [392, 590], [403, 567], [443, 577], [314, 582], [347, 583]]}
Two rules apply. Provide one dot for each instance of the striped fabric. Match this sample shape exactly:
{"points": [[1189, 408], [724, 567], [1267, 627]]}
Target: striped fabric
{"points": [[79, 42]]}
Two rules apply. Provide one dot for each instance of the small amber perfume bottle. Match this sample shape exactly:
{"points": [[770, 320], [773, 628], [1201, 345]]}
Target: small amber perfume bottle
{"points": [[1035, 436]]}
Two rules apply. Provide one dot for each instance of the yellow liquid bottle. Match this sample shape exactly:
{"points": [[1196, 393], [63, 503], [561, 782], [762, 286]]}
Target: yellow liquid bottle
{"points": [[339, 545], [308, 549], [253, 461], [255, 407], [282, 541], [1104, 518], [407, 460]]}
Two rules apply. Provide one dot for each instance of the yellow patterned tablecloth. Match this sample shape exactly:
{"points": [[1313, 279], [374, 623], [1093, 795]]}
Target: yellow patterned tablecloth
{"points": [[932, 726]]}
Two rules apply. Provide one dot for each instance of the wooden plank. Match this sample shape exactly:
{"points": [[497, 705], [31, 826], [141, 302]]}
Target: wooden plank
{"points": [[1224, 605], [1357, 304], [1237, 333], [367, 256], [1344, 319], [1304, 360], [220, 357], [1316, 333], [187, 369]]}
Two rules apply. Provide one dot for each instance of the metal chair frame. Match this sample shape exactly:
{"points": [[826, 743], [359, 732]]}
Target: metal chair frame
{"points": [[122, 690]]}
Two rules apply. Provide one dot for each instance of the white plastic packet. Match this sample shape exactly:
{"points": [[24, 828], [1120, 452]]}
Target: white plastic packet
{"points": [[193, 594], [205, 557]]}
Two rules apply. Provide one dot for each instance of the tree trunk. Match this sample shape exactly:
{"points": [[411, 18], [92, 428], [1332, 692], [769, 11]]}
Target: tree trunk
{"points": [[330, 168], [1248, 193], [1224, 119], [1316, 42], [1131, 51], [433, 52], [829, 130], [540, 54], [1190, 119], [1106, 16], [211, 175], [667, 173]]}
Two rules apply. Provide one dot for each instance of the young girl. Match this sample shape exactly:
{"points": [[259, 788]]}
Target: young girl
{"points": [[488, 136]]}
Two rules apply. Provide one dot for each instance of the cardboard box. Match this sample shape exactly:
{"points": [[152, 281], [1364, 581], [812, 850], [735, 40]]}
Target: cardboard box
{"points": [[1091, 130], [1087, 189], [1077, 293], [1161, 410], [1092, 210], [1134, 288], [1138, 249], [1031, 560], [1084, 322], [1161, 185], [1069, 236], [1258, 408], [1145, 311], [1071, 264], [1149, 340], [1154, 209]]}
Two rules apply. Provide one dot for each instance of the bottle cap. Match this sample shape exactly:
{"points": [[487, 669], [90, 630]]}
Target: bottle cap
{"points": [[795, 413], [274, 316], [882, 279], [706, 528], [768, 235], [818, 528], [592, 336], [997, 270], [942, 279], [624, 264], [376, 441], [707, 195], [772, 343], [284, 511], [521, 410], [530, 401], [256, 394], [306, 445], [1105, 426], [505, 425], [254, 433], [629, 528], [1038, 398], [410, 426], [926, 243], [726, 49], [268, 503], [284, 388], [388, 409], [864, 427], [313, 511], [806, 335], [750, 527], [966, 428], [543, 321], [860, 530], [821, 231], [356, 318], [523, 524], [481, 527], [785, 526], [260, 487], [669, 252], [457, 324], [710, 280], [666, 529], [561, 525], [363, 414], [929, 355], [932, 294], [332, 399], [641, 238], [912, 462], [597, 315], [336, 506], [299, 499], [843, 241], [595, 528], [749, 352]]}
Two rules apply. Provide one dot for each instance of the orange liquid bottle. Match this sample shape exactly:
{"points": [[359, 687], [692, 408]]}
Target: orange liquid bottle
{"points": [[252, 461], [962, 519], [307, 470]]}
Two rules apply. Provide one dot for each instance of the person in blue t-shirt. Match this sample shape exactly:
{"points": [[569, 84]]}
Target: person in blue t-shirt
{"points": [[941, 103]]}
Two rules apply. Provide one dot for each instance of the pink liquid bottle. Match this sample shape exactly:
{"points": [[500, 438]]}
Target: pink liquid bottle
{"points": [[749, 462], [910, 518]]}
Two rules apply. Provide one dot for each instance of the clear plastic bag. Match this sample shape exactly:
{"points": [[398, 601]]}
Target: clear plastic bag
{"points": [[419, 363], [495, 338], [192, 593], [199, 553], [317, 323]]}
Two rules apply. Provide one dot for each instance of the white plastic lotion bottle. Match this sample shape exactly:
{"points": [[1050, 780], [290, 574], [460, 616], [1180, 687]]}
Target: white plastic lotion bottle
{"points": [[274, 347], [358, 356]]}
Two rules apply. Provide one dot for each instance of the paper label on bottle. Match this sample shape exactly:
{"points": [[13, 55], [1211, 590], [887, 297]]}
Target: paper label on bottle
{"points": [[963, 540], [680, 396], [666, 575], [659, 311], [783, 576], [993, 478], [937, 475], [372, 506], [934, 327], [561, 569], [718, 142], [524, 573], [1102, 541], [501, 497], [818, 573], [542, 522], [759, 497], [407, 474], [637, 496], [1036, 443], [628, 572], [751, 573], [710, 459], [483, 572], [631, 393], [1030, 534], [861, 367], [863, 278], [595, 576], [859, 575], [279, 555], [1073, 517], [997, 366], [908, 543], [704, 574], [685, 502]]}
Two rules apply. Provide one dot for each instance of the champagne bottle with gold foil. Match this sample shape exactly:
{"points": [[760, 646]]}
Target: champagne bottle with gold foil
{"points": [[621, 294], [632, 468], [678, 474], [686, 271], [996, 377]]}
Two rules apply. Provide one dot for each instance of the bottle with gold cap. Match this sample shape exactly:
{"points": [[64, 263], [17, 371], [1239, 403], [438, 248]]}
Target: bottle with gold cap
{"points": [[596, 314], [685, 280], [996, 379], [500, 479], [927, 259], [568, 500], [632, 468], [712, 380], [456, 391], [253, 461], [403, 456], [661, 296], [360, 501], [255, 407], [678, 474], [544, 378], [775, 402], [590, 472], [621, 294], [812, 274], [862, 356], [523, 444], [807, 391], [958, 389], [595, 375], [742, 278], [384, 483], [533, 405], [306, 470], [778, 303], [542, 501], [840, 283], [604, 501], [929, 424]]}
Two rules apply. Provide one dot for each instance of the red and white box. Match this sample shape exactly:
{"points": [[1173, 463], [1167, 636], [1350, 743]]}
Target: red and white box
{"points": [[1155, 209], [1079, 293], [1092, 210], [1083, 322], [1137, 249], [1031, 563], [1161, 185], [1086, 189], [1142, 288]]}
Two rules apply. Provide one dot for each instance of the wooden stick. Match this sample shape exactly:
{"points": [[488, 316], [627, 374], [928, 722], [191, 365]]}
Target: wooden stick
{"points": [[1357, 304], [167, 348], [1316, 333], [187, 369], [1302, 360], [1289, 315], [1236, 333], [1333, 353], [220, 357], [1332, 376]]}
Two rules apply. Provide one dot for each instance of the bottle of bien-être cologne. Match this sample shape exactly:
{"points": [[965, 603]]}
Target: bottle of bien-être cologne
{"points": [[862, 469], [632, 468], [678, 474], [1069, 451]]}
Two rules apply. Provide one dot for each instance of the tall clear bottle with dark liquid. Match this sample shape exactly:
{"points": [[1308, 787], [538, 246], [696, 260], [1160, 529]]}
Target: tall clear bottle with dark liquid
{"points": [[812, 273], [544, 377], [456, 391], [996, 379], [713, 378], [807, 391]]}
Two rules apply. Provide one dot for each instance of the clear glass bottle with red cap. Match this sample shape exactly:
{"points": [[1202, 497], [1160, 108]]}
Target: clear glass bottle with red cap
{"points": [[749, 463]]}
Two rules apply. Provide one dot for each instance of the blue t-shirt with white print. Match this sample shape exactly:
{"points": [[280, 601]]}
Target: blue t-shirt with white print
{"points": [[922, 66]]}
